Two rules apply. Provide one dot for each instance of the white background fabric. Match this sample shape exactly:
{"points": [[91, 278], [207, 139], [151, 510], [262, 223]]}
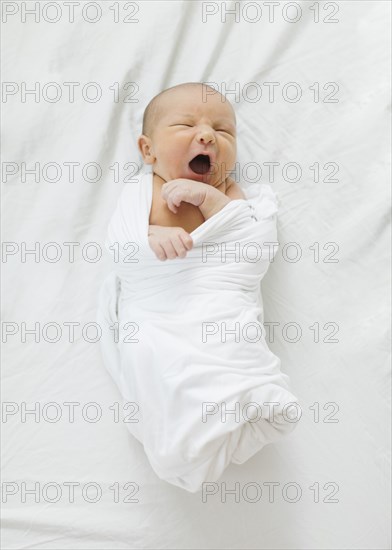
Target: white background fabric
{"points": [[171, 44]]}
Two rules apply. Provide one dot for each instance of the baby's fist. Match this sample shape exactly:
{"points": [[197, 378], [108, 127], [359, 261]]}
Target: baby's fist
{"points": [[169, 242]]}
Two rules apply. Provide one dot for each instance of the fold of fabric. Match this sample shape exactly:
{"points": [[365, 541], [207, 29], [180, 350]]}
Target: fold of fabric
{"points": [[190, 349]]}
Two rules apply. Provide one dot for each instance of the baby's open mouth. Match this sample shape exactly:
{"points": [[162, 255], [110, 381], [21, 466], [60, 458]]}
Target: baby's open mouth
{"points": [[200, 164]]}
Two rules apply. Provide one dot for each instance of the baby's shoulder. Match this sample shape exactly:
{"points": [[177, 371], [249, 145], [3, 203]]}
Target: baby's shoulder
{"points": [[233, 190]]}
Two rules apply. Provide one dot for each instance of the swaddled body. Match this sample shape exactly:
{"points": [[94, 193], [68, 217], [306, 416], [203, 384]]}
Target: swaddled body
{"points": [[191, 350], [198, 346]]}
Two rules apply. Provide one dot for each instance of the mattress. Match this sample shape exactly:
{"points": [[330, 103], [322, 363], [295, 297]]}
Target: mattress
{"points": [[309, 83]]}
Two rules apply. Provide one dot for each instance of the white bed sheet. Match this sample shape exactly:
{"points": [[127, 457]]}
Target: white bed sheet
{"points": [[171, 44]]}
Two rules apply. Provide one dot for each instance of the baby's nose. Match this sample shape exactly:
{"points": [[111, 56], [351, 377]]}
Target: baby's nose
{"points": [[206, 136]]}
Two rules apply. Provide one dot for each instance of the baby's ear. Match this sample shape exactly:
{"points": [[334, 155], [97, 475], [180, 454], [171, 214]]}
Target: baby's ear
{"points": [[144, 144]]}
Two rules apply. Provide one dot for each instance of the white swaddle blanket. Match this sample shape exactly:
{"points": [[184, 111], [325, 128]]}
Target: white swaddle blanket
{"points": [[191, 351]]}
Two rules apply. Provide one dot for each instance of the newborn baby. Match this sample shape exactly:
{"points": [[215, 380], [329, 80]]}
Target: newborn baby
{"points": [[189, 138], [190, 354]]}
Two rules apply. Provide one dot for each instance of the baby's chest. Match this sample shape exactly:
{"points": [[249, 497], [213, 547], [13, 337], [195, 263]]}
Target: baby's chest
{"points": [[188, 216]]}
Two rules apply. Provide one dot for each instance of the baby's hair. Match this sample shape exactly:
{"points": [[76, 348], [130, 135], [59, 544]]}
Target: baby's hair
{"points": [[153, 110]]}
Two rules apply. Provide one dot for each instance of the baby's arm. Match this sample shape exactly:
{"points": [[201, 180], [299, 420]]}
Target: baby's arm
{"points": [[173, 242], [169, 242], [215, 200], [207, 198]]}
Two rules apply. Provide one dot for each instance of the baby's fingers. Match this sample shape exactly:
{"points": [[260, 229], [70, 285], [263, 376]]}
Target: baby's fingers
{"points": [[173, 201], [168, 196], [171, 206], [186, 239], [170, 249], [159, 251], [179, 247], [175, 244], [181, 243]]}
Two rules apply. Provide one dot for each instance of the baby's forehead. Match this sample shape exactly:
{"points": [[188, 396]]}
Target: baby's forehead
{"points": [[190, 103]]}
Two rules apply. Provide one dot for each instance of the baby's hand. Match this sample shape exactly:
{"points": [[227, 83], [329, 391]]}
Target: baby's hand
{"points": [[169, 242], [174, 192]]}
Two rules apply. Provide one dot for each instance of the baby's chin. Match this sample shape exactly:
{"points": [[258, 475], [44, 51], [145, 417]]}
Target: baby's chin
{"points": [[186, 172]]}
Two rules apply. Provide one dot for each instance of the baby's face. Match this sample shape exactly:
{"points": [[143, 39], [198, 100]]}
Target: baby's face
{"points": [[191, 125]]}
